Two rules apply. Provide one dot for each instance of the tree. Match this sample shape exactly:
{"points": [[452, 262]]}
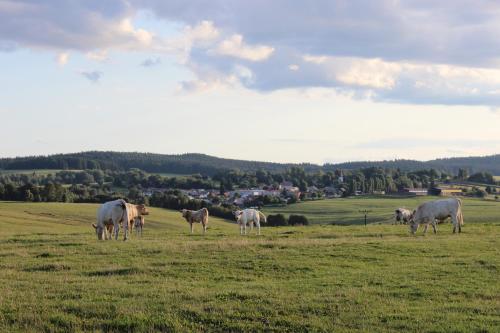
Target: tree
{"points": [[276, 220], [298, 220], [463, 174]]}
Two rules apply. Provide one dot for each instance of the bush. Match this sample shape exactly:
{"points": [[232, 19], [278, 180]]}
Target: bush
{"points": [[276, 220], [298, 220]]}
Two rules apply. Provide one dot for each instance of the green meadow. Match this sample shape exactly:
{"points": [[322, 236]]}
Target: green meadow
{"points": [[56, 277], [346, 211]]}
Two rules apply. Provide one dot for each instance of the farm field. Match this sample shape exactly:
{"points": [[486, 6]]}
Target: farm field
{"points": [[55, 275], [30, 172], [345, 211]]}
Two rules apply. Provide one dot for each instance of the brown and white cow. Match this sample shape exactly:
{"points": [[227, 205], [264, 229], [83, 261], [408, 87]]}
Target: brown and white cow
{"points": [[196, 216], [402, 215]]}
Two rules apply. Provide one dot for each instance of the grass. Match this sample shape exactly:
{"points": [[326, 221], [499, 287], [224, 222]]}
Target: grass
{"points": [[56, 277], [30, 172], [347, 211]]}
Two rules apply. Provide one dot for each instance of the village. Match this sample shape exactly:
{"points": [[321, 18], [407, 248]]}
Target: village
{"points": [[286, 193]]}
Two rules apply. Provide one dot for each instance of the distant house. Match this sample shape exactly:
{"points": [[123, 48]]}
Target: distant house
{"points": [[447, 191], [286, 185], [414, 191], [378, 192]]}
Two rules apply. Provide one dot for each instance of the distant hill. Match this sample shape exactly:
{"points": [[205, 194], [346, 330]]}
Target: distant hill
{"points": [[473, 164], [178, 164], [209, 165]]}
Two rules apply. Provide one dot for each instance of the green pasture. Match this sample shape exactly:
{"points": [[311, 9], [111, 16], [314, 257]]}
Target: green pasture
{"points": [[346, 211], [56, 277], [30, 172]]}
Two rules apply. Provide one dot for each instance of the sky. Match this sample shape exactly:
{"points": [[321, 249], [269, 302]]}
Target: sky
{"points": [[285, 81]]}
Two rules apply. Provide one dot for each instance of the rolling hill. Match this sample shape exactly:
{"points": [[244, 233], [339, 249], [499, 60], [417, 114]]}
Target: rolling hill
{"points": [[209, 165]]}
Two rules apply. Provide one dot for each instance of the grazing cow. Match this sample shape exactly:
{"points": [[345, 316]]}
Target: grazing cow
{"points": [[196, 216], [114, 212], [139, 224], [438, 210], [402, 215], [249, 216], [110, 213]]}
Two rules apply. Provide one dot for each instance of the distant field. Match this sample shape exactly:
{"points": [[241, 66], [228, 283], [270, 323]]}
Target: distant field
{"points": [[346, 211], [56, 277], [38, 171], [497, 178]]}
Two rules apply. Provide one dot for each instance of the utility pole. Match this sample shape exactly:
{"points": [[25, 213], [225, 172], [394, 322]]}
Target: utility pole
{"points": [[365, 211]]}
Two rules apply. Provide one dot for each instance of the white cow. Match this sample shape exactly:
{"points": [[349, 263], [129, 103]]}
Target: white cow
{"points": [[114, 212], [249, 216], [438, 210], [402, 215], [139, 224]]}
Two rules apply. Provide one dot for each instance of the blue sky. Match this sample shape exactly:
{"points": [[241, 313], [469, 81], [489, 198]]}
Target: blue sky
{"points": [[309, 81]]}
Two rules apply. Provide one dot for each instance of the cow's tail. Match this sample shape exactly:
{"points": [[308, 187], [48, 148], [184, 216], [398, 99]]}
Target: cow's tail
{"points": [[460, 215], [262, 217]]}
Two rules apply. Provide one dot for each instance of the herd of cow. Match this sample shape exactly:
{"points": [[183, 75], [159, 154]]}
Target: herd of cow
{"points": [[112, 213]]}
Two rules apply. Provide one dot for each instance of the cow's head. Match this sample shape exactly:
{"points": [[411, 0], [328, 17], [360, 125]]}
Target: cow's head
{"points": [[237, 214], [398, 215], [99, 230], [142, 209], [184, 212], [413, 225]]}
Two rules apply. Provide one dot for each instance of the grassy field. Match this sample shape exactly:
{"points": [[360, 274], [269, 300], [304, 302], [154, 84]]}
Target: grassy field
{"points": [[30, 172], [55, 276], [347, 211]]}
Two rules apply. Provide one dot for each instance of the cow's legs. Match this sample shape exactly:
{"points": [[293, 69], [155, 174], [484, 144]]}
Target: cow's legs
{"points": [[125, 229], [245, 228], [204, 228], [191, 226], [258, 229], [116, 228], [425, 228], [251, 227], [434, 226]]}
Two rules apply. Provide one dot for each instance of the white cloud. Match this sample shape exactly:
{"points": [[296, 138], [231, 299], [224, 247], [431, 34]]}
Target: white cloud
{"points": [[62, 58], [100, 55], [234, 46]]}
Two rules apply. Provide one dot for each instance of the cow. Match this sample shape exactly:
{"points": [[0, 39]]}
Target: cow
{"points": [[114, 212], [402, 215], [196, 216], [135, 212], [438, 210], [249, 216], [110, 213], [139, 224]]}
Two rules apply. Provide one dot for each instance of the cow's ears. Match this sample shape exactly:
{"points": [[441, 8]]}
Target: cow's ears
{"points": [[95, 227]]}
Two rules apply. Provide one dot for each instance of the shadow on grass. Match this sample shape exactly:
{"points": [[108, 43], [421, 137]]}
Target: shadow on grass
{"points": [[48, 268], [114, 272]]}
